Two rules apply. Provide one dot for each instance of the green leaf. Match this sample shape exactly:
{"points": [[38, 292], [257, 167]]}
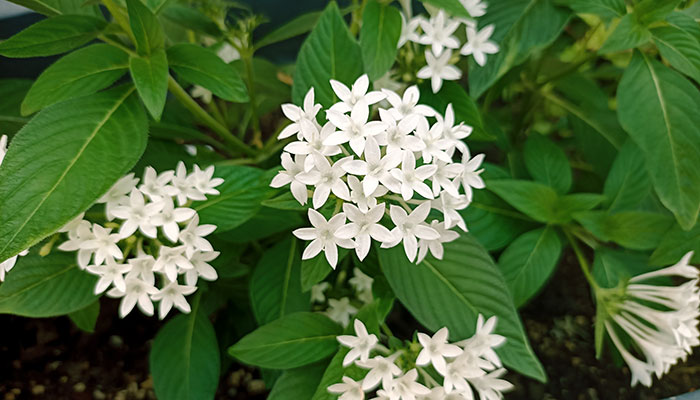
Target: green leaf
{"points": [[648, 11], [685, 23], [465, 107], [628, 34], [292, 341], [202, 67], [79, 73], [298, 383], [40, 287], [275, 287], [240, 197], [297, 26], [147, 31], [514, 21], [316, 269], [658, 108], [453, 291], [675, 244], [184, 359], [547, 163], [628, 182], [610, 266], [453, 7], [86, 318], [100, 137], [329, 52], [379, 36], [533, 199], [604, 8], [266, 222], [637, 230], [12, 91], [191, 18], [334, 374], [680, 48], [59, 7], [156, 6], [529, 261], [51, 36], [150, 76]]}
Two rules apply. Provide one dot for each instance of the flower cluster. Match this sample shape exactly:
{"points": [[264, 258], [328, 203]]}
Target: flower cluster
{"points": [[341, 310], [661, 321], [437, 35], [401, 166], [464, 367], [157, 240], [7, 265]]}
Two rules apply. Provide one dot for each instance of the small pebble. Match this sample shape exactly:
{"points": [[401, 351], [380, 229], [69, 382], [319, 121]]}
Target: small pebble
{"points": [[116, 341], [98, 395], [38, 389], [79, 387]]}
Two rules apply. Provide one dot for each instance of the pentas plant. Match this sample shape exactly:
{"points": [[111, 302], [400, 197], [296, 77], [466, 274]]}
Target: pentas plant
{"points": [[7, 265], [429, 369], [377, 173], [152, 247]]}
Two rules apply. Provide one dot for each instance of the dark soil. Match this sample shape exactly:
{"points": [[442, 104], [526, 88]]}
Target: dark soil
{"points": [[51, 359]]}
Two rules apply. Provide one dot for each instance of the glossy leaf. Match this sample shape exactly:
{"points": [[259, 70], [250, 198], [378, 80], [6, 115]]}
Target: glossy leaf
{"points": [[147, 31], [51, 36], [628, 182], [298, 383], [529, 261], [680, 48], [79, 73], [150, 75], [329, 52], [202, 67], [658, 108], [292, 341], [533, 199], [379, 36], [78, 148], [40, 287], [547, 163], [675, 244], [453, 291], [637, 230]]}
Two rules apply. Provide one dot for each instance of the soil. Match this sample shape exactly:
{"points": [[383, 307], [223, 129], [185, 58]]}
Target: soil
{"points": [[52, 359]]}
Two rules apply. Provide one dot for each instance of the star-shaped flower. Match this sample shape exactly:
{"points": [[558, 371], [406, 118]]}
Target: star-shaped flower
{"points": [[137, 215], [353, 128], [436, 349], [292, 169], [437, 33], [350, 97], [439, 69], [364, 227], [410, 227], [360, 345], [104, 244], [297, 114], [374, 167], [323, 237], [173, 294], [478, 44], [412, 178]]}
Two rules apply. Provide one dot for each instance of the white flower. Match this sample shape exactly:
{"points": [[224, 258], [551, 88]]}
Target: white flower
{"points": [[203, 182], [407, 105], [103, 244], [444, 176], [116, 195], [458, 372], [374, 168], [412, 178], [348, 390], [111, 273], [435, 246], [398, 136], [364, 227], [137, 215], [386, 394], [323, 237], [470, 175], [435, 350], [357, 194], [409, 30], [340, 311], [297, 114], [437, 33], [449, 205], [452, 133], [327, 179], [484, 341], [318, 292], [407, 388], [292, 168], [360, 345], [73, 225], [202, 269], [228, 53], [439, 69], [440, 393], [381, 370], [156, 186], [434, 145], [169, 217], [183, 187], [350, 97], [3, 147], [201, 93], [142, 267], [475, 8], [173, 294], [410, 227], [169, 259], [360, 281], [478, 44], [137, 291], [490, 386], [312, 141], [192, 237], [8, 264], [77, 235], [353, 128]]}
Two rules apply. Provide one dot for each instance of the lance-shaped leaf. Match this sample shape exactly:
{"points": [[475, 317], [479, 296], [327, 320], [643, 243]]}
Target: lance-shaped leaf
{"points": [[381, 28], [150, 76]]}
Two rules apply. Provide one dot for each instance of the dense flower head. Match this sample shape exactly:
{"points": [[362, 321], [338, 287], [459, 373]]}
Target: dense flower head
{"points": [[432, 369], [385, 180], [661, 322], [441, 45], [152, 247]]}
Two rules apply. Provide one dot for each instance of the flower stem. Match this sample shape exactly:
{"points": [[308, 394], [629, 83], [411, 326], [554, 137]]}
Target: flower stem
{"points": [[583, 263], [207, 119], [428, 379]]}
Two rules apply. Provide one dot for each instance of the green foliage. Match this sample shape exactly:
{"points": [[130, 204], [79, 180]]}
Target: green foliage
{"points": [[453, 7], [314, 270], [86, 318], [604, 8], [51, 36], [59, 7], [628, 34], [12, 91], [547, 163], [46, 287], [298, 383], [100, 137], [453, 291], [465, 108], [628, 182], [184, 359], [146, 29], [292, 341], [329, 52], [637, 230], [680, 48], [379, 36], [150, 75], [79, 73]]}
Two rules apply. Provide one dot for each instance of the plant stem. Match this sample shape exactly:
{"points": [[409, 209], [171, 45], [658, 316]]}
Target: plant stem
{"points": [[117, 45], [207, 119], [583, 263], [257, 134]]}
